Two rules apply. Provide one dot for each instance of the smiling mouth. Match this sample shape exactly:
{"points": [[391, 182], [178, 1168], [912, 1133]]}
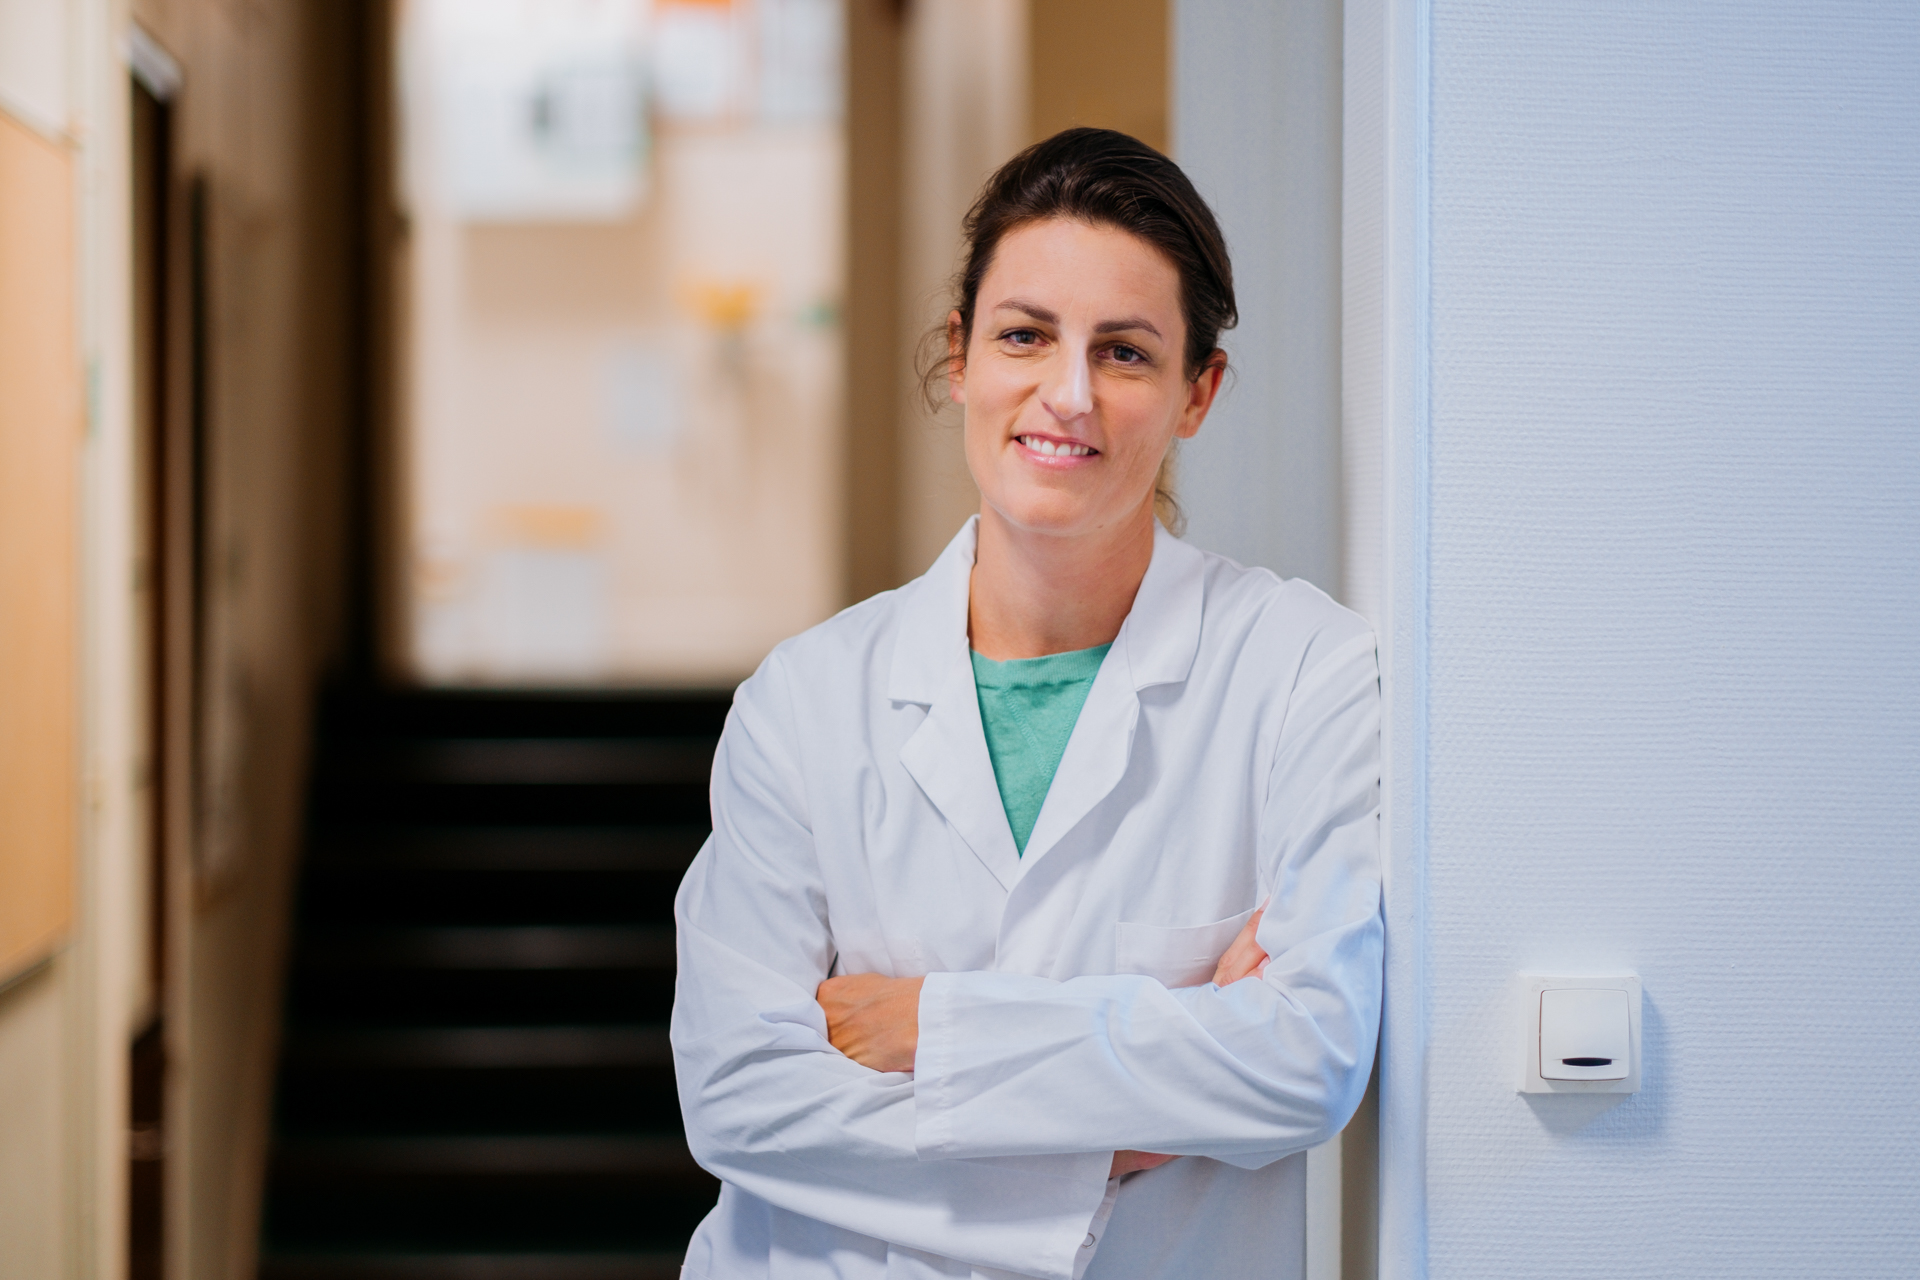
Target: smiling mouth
{"points": [[1056, 448]]}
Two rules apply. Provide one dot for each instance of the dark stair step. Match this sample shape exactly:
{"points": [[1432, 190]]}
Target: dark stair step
{"points": [[381, 849], [486, 1193], [472, 898], [539, 975], [557, 804], [539, 875], [489, 948], [490, 1157], [562, 782], [476, 1266], [477, 1048], [430, 713], [466, 997], [476, 1079], [528, 762]]}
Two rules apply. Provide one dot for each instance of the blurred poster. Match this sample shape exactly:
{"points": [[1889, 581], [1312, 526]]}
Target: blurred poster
{"points": [[624, 270], [537, 108], [699, 64], [800, 69]]}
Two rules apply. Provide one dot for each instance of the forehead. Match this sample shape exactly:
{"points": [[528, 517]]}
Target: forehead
{"points": [[1074, 267]]}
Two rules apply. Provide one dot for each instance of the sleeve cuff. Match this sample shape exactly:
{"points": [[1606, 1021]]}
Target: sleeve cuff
{"points": [[1096, 1230], [932, 1070]]}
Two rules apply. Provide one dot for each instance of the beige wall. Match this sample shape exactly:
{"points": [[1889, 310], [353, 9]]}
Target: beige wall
{"points": [[964, 114], [875, 351], [268, 100], [1101, 63], [40, 423], [43, 1084]]}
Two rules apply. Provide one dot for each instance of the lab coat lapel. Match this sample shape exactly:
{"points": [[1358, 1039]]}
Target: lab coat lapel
{"points": [[1095, 760], [1156, 645], [947, 755]]}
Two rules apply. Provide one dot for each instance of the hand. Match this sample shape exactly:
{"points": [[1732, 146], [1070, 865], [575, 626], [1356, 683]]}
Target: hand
{"points": [[874, 1020], [1244, 958], [1126, 1162]]}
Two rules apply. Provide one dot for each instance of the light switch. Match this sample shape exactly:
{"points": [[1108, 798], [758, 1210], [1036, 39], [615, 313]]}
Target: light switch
{"points": [[1580, 1033], [1584, 1034]]}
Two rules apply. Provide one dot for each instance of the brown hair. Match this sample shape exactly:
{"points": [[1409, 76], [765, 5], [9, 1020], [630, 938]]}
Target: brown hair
{"points": [[1108, 179]]}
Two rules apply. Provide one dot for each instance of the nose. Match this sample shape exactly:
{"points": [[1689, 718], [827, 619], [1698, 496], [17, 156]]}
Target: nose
{"points": [[1068, 392]]}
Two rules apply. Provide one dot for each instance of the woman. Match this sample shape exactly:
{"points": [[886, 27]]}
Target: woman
{"points": [[973, 976]]}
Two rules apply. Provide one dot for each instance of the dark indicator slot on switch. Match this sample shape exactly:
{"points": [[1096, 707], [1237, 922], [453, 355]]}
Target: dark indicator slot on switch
{"points": [[1587, 1062]]}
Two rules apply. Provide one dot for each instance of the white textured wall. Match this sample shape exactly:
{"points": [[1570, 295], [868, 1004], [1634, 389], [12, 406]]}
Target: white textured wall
{"points": [[1256, 125], [1674, 634]]}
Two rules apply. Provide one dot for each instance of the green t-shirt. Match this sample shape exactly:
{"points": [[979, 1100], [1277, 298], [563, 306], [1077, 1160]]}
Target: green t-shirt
{"points": [[1028, 707]]}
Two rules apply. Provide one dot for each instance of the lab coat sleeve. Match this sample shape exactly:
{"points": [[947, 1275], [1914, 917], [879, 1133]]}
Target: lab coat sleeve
{"points": [[770, 1105], [1010, 1064]]}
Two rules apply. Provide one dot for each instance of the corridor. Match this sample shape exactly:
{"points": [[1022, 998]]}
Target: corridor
{"points": [[419, 417]]}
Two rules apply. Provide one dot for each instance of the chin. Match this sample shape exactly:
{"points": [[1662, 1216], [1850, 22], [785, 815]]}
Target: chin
{"points": [[1048, 513]]}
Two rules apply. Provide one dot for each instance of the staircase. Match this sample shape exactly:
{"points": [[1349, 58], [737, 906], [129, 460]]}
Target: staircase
{"points": [[475, 1082]]}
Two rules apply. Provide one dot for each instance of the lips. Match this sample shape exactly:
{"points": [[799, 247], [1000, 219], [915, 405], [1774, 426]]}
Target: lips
{"points": [[1056, 448]]}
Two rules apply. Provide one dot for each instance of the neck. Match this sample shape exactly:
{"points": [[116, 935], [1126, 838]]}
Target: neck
{"points": [[1033, 593]]}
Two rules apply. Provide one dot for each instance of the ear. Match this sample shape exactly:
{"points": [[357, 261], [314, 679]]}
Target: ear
{"points": [[956, 359], [1200, 395]]}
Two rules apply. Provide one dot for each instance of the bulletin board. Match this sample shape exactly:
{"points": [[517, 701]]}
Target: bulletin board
{"points": [[41, 421]]}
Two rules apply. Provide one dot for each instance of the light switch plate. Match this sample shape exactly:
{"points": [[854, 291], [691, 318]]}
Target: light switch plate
{"points": [[1578, 1008]]}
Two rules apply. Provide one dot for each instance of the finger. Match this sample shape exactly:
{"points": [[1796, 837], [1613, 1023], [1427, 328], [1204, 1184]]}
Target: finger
{"points": [[1235, 965], [1252, 925], [1239, 965], [1245, 953]]}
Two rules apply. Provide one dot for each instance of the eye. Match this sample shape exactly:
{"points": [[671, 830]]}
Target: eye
{"points": [[1022, 337], [1124, 354]]}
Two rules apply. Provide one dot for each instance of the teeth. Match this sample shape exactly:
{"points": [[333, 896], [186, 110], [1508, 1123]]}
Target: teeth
{"points": [[1048, 448]]}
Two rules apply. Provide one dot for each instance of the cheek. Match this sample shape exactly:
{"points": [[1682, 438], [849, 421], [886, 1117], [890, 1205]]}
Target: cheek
{"points": [[1144, 417], [988, 387]]}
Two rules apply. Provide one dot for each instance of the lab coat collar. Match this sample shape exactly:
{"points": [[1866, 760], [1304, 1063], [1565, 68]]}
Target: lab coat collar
{"points": [[932, 637], [1162, 632], [1157, 642], [947, 755]]}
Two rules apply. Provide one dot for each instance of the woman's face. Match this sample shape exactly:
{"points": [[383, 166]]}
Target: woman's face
{"points": [[1074, 383]]}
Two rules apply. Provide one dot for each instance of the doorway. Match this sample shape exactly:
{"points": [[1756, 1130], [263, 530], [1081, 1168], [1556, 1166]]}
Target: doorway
{"points": [[622, 286]]}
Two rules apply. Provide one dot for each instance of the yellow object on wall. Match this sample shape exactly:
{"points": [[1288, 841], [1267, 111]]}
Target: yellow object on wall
{"points": [[40, 434]]}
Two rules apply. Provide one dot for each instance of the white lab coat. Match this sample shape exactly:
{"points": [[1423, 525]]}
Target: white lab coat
{"points": [[1228, 752]]}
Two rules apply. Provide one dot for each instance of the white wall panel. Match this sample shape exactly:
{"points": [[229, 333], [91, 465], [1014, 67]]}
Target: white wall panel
{"points": [[33, 1153], [1675, 593], [34, 63]]}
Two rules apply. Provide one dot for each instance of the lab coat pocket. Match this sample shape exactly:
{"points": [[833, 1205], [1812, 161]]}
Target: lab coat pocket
{"points": [[1178, 957]]}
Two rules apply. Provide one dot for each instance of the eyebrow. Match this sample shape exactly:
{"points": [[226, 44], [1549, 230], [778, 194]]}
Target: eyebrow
{"points": [[1046, 316]]}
